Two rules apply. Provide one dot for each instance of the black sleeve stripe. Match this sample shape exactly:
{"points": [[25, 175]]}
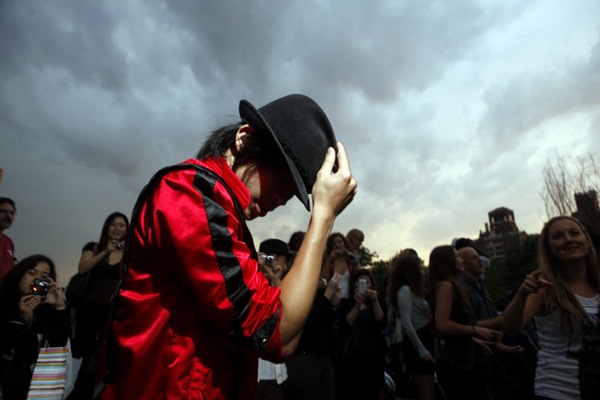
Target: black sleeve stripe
{"points": [[237, 292]]}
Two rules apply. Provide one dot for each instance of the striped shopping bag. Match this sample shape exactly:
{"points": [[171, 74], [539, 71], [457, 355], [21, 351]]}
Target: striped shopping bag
{"points": [[48, 380]]}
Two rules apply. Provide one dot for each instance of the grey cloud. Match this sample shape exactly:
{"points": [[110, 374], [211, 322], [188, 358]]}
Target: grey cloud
{"points": [[70, 36], [99, 95], [528, 100]]}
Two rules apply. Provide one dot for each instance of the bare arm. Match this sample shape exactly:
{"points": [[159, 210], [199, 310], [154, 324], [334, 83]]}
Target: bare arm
{"points": [[377, 310], [528, 301], [491, 323], [443, 310], [332, 192], [89, 260]]}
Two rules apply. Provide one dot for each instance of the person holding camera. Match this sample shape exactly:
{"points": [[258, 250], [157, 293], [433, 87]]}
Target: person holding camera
{"points": [[32, 313], [273, 258], [360, 348], [339, 260], [193, 312], [101, 262]]}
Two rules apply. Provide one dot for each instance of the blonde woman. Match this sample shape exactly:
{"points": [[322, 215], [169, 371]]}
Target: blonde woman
{"points": [[562, 296]]}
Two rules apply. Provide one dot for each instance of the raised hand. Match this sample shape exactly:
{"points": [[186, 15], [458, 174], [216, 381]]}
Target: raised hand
{"points": [[333, 191], [27, 304], [533, 283]]}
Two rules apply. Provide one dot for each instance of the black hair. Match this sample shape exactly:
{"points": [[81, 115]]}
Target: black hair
{"points": [[4, 200], [9, 289], [296, 240], [104, 233], [442, 267], [409, 251], [356, 275], [331, 239], [406, 270], [258, 151]]}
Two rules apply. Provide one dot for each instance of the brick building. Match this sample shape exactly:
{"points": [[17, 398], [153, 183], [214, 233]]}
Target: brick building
{"points": [[501, 234], [588, 213]]}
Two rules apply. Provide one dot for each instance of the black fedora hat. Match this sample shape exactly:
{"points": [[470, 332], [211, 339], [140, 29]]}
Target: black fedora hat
{"points": [[301, 131]]}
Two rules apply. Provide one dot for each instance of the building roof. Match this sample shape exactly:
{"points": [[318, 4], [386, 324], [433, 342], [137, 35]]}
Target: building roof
{"points": [[501, 210]]}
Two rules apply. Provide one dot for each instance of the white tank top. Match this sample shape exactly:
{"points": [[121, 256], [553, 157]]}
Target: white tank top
{"points": [[344, 284], [556, 373]]}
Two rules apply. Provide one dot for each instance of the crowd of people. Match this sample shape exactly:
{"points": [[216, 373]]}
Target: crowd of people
{"points": [[453, 343], [453, 340], [177, 303]]}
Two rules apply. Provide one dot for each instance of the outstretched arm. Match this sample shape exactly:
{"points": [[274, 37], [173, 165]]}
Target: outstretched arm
{"points": [[332, 192], [528, 301]]}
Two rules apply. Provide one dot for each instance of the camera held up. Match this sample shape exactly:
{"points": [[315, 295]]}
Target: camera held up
{"points": [[41, 287]]}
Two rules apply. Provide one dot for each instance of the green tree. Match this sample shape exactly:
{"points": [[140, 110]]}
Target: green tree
{"points": [[366, 256], [504, 277], [379, 270]]}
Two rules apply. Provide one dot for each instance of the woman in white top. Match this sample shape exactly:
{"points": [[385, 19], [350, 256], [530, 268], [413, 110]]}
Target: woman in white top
{"points": [[338, 260], [408, 286], [562, 296]]}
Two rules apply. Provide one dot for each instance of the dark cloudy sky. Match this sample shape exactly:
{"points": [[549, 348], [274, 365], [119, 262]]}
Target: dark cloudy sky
{"points": [[449, 109]]}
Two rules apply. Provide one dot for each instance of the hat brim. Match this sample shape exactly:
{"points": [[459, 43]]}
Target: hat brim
{"points": [[253, 117]]}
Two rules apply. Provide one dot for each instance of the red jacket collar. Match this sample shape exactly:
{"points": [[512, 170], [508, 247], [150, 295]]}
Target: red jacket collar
{"points": [[221, 168]]}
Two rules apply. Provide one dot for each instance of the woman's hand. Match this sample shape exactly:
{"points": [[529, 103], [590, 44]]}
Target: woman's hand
{"points": [[533, 283], [509, 349], [485, 347], [371, 295], [113, 245], [27, 304], [428, 358], [359, 299], [486, 334], [333, 291], [272, 271], [55, 295], [333, 191]]}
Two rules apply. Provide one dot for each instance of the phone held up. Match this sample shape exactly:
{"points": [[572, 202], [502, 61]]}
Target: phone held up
{"points": [[362, 286]]}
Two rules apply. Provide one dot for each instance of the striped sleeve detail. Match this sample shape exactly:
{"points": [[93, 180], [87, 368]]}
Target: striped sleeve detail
{"points": [[237, 291]]}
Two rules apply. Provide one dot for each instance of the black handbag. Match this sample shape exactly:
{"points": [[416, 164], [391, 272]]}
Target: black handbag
{"points": [[75, 291]]}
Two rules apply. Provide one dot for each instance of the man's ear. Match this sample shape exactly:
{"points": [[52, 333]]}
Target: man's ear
{"points": [[241, 136]]}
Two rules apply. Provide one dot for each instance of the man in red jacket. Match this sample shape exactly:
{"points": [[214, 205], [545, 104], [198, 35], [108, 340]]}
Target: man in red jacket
{"points": [[193, 312], [7, 247]]}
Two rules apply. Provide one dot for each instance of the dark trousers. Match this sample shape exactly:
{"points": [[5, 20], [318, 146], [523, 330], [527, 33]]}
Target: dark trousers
{"points": [[269, 390], [90, 324], [310, 376], [458, 384]]}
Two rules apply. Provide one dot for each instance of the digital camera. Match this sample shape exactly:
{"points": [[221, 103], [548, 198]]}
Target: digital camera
{"points": [[119, 245], [40, 287], [269, 260], [347, 254]]}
